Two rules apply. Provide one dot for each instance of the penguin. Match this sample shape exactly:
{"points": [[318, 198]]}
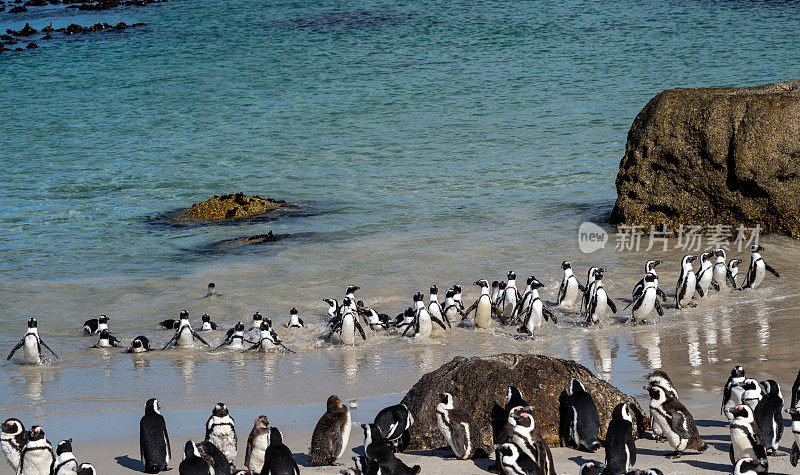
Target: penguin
{"points": [[372, 318], [649, 471], [65, 463], [704, 277], [372, 434], [530, 441], [423, 321], [620, 446], [599, 301], [752, 393], [587, 294], [268, 340], [733, 267], [457, 426], [482, 307], [748, 466], [509, 300], [294, 320], [450, 309], [687, 283], [747, 441], [193, 463], [755, 273], [255, 324], [140, 344], [93, 326], [721, 272], [394, 423], [502, 422], [457, 297], [37, 456], [208, 325], [86, 469], [211, 290], [794, 454], [221, 432], [497, 311], [13, 438], [278, 457], [569, 288], [768, 415], [331, 434], [516, 462], [32, 344], [532, 315], [732, 392], [184, 336], [591, 468], [649, 268], [257, 443], [362, 466], [153, 439], [107, 340], [347, 325], [349, 293], [647, 301], [495, 292], [169, 324], [215, 458], [676, 422], [333, 308], [435, 308], [378, 450], [234, 338], [580, 421], [660, 377]]}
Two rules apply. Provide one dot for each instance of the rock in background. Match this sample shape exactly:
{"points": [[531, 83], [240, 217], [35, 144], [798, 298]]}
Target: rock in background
{"points": [[480, 382], [711, 156], [227, 207]]}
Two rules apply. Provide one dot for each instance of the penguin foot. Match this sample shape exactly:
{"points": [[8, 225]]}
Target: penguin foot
{"points": [[692, 304], [674, 455]]}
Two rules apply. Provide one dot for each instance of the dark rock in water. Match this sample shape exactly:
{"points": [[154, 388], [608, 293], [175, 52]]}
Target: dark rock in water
{"points": [[27, 30], [710, 156], [32, 46], [480, 383], [227, 207], [74, 29], [18, 9], [8, 39], [35, 3]]}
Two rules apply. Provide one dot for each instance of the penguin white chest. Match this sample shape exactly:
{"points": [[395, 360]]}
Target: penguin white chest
{"points": [[345, 434], [483, 314], [444, 426], [347, 334], [425, 326], [185, 337], [11, 451], [602, 302], [223, 436], [257, 450], [509, 302], [571, 293], [535, 319], [687, 290], [720, 273], [740, 442], [31, 348], [237, 343], [37, 462], [66, 464], [759, 273], [647, 305]]}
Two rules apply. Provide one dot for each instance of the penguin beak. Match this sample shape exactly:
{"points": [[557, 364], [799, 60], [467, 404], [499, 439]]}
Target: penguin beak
{"points": [[760, 248]]}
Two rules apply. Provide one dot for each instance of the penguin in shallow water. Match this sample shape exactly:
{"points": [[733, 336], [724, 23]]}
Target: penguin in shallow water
{"points": [[457, 426], [423, 320], [350, 295], [495, 292], [435, 308], [620, 446], [756, 271], [37, 456], [347, 325], [587, 294], [580, 421], [257, 444], [638, 289], [32, 344], [140, 344], [278, 457], [704, 277], [294, 320], [570, 288], [255, 323], [721, 273], [193, 462], [732, 392], [394, 423], [687, 283], [530, 441], [208, 325], [733, 267], [13, 438], [794, 454], [769, 417], [93, 326], [748, 466], [509, 300], [647, 301], [599, 301], [65, 463], [333, 309], [482, 307], [534, 310], [107, 340], [330, 436], [676, 422], [153, 439], [516, 462], [221, 431], [747, 441], [450, 309], [211, 290], [268, 340], [184, 336], [375, 320], [457, 297], [234, 338]]}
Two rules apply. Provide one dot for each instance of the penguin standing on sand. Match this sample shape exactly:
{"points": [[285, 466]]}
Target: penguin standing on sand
{"points": [[748, 466], [687, 283], [794, 454], [647, 301], [580, 421], [208, 325], [502, 422], [193, 462], [532, 314], [569, 288], [435, 308], [294, 320], [221, 432], [32, 344], [330, 437], [37, 457], [153, 439], [184, 336], [721, 273], [460, 431], [395, 422], [234, 338], [660, 378], [620, 446], [140, 344], [705, 275], [13, 438], [482, 307], [769, 417], [732, 392], [755, 273], [676, 422], [747, 441], [215, 458], [516, 462], [278, 457], [107, 340], [93, 326], [257, 443], [65, 463], [599, 302], [530, 441], [347, 325], [379, 452]]}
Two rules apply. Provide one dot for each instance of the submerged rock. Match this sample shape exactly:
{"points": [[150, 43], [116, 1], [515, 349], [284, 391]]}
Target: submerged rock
{"points": [[481, 382], [227, 207], [710, 156], [18, 9], [27, 30]]}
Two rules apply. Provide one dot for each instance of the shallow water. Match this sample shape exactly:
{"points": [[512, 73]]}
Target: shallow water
{"points": [[426, 143]]}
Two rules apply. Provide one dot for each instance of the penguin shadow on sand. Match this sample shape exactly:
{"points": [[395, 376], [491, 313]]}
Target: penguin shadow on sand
{"points": [[130, 463]]}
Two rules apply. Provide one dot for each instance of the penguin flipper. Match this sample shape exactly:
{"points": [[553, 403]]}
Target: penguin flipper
{"points": [[661, 294], [769, 268], [794, 456], [465, 313], [549, 315], [19, 345], [48, 348], [252, 347], [301, 322], [611, 304], [715, 285], [629, 304], [360, 330], [197, 335], [678, 425], [562, 291], [699, 290], [729, 279], [659, 309], [581, 287], [170, 341], [439, 322]]}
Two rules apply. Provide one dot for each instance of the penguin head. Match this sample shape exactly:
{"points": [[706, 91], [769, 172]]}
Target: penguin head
{"points": [[598, 273], [261, 423], [621, 412], [152, 407], [446, 400], [523, 416], [502, 285], [750, 384], [720, 253], [275, 437], [737, 372], [265, 325], [190, 450], [575, 387], [566, 265], [184, 315], [12, 426], [756, 248], [688, 259], [481, 283], [706, 256], [592, 468], [514, 393], [418, 297], [36, 433], [434, 289], [64, 446], [293, 311], [495, 284], [329, 302], [205, 318], [530, 280], [360, 304], [457, 288], [211, 286], [657, 393], [450, 293], [650, 265], [220, 410], [137, 343], [512, 275], [535, 284], [102, 319], [509, 450], [351, 289], [346, 302], [748, 465], [742, 411], [32, 323], [335, 404], [86, 469], [257, 317], [660, 378], [734, 263]]}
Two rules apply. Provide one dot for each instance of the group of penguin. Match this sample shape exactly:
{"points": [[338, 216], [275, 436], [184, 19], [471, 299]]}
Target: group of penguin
{"points": [[30, 453]]}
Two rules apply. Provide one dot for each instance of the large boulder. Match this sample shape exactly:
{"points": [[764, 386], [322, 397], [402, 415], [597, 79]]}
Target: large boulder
{"points": [[712, 156], [481, 382], [227, 207]]}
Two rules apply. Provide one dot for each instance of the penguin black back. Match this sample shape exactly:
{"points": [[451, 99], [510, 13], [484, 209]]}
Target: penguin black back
{"points": [[620, 447], [580, 421], [193, 462], [215, 458], [153, 439], [330, 436], [278, 458]]}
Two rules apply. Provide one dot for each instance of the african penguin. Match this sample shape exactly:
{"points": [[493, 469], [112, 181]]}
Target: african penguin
{"points": [[647, 301], [294, 320], [86, 469], [769, 417], [37, 456], [221, 432], [752, 393], [620, 447], [333, 308], [510, 299], [394, 423], [95, 325], [534, 308], [755, 273], [482, 307], [733, 267], [450, 309], [12, 440], [687, 283], [278, 457], [257, 443], [660, 378], [184, 335], [530, 441], [721, 273], [676, 422], [65, 463], [457, 296], [140, 344], [208, 325], [107, 340], [599, 301], [193, 462], [794, 455], [569, 289], [330, 437], [169, 324], [495, 292], [590, 276], [580, 421], [255, 324], [748, 466], [435, 308], [372, 318], [649, 268], [705, 274], [502, 423], [516, 462], [423, 320], [747, 441], [732, 392], [347, 325], [234, 338], [215, 458], [153, 439], [458, 428], [268, 340], [31, 344]]}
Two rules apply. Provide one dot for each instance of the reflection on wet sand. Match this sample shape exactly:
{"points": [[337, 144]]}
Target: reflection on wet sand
{"points": [[33, 383], [600, 352]]}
